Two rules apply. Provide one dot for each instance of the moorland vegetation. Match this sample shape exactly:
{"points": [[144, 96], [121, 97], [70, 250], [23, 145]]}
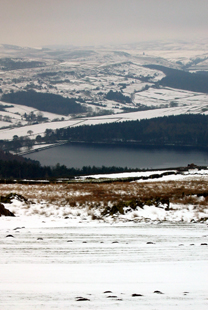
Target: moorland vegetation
{"points": [[102, 199]]}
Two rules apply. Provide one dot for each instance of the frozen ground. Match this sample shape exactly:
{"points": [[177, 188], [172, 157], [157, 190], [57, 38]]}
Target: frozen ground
{"points": [[55, 264], [52, 261]]}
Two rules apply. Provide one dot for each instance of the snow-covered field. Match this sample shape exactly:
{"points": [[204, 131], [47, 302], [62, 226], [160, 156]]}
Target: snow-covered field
{"points": [[55, 255], [190, 174], [92, 76], [63, 264], [39, 129]]}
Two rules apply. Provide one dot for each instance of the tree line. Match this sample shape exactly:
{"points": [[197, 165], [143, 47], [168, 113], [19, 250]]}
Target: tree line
{"points": [[181, 130], [45, 102], [180, 79], [14, 169]]}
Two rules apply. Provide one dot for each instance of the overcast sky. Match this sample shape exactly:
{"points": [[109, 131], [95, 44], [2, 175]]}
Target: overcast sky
{"points": [[38, 23]]}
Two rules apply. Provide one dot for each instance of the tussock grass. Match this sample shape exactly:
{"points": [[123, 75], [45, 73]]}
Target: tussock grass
{"points": [[96, 195]]}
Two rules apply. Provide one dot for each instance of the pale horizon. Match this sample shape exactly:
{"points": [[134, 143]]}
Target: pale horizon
{"points": [[91, 22]]}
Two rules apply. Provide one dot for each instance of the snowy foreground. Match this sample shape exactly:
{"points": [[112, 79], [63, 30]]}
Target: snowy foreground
{"points": [[146, 259], [63, 264]]}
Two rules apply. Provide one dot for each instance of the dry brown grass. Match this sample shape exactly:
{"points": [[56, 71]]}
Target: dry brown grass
{"points": [[97, 194]]}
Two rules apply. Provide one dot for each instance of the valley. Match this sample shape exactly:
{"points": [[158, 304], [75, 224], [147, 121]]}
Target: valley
{"points": [[111, 84]]}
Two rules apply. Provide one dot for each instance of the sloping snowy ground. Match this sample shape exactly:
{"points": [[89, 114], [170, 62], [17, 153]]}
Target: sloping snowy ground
{"points": [[120, 117], [186, 103], [59, 264], [56, 257]]}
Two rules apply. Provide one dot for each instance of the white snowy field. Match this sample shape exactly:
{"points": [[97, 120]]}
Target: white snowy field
{"points": [[59, 255], [56, 255], [52, 263], [129, 174], [173, 175], [39, 129]]}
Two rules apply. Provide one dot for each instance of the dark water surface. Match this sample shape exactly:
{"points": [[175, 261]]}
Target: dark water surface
{"points": [[79, 155]]}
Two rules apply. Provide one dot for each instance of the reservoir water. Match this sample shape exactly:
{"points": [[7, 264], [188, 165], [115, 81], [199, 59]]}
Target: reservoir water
{"points": [[79, 155]]}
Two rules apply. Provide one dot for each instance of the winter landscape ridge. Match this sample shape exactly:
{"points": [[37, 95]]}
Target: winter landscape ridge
{"points": [[93, 77], [103, 241]]}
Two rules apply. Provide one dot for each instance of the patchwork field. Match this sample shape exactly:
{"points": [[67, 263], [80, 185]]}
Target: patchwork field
{"points": [[88, 77]]}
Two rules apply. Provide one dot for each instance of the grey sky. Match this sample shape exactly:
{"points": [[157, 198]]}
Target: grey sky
{"points": [[91, 22]]}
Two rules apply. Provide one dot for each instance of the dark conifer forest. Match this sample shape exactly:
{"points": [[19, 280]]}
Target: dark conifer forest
{"points": [[44, 102], [180, 79], [181, 130]]}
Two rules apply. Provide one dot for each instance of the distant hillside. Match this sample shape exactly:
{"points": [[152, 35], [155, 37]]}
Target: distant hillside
{"points": [[8, 64], [44, 102], [180, 79]]}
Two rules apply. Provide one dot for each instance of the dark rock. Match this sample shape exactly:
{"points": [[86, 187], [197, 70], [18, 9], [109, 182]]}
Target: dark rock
{"points": [[8, 198], [185, 293], [4, 211], [136, 295], [9, 236], [203, 243], [82, 299], [158, 292], [107, 292], [69, 241], [17, 228], [150, 242], [112, 296], [39, 238]]}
